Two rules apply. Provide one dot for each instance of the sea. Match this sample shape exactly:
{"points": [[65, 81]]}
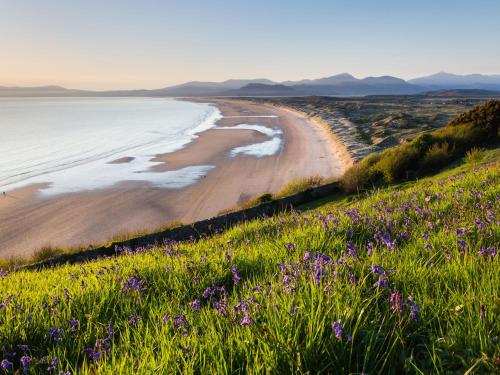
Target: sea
{"points": [[76, 144]]}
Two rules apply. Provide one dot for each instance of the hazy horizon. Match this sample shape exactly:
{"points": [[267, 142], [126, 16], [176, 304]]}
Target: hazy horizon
{"points": [[148, 44]]}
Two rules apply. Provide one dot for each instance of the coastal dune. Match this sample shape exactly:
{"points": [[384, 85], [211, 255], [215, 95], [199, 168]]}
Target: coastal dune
{"points": [[30, 221]]}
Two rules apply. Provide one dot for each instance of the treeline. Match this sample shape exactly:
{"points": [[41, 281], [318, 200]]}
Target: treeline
{"points": [[428, 152]]}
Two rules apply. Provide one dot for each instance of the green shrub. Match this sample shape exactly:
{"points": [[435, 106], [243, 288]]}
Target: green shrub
{"points": [[299, 185], [264, 198], [396, 162], [45, 253], [474, 155], [485, 117], [437, 156]]}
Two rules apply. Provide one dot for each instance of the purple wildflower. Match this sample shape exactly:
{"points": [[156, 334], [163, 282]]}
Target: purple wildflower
{"points": [[376, 269], [93, 354], [352, 251], [291, 246], [5, 302], [221, 308], [482, 312], [322, 259], [103, 345], [74, 325], [307, 256], [241, 306], [196, 305], [246, 321], [6, 364], [53, 365], [488, 251], [66, 295], [134, 320], [132, 284], [396, 300], [387, 241], [25, 362], [383, 282], [282, 267], [166, 318], [462, 244], [414, 309], [480, 224], [111, 331], [180, 321], [236, 276], [337, 328], [56, 334], [207, 293], [369, 248]]}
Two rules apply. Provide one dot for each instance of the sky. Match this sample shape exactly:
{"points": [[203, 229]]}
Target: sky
{"points": [[127, 44]]}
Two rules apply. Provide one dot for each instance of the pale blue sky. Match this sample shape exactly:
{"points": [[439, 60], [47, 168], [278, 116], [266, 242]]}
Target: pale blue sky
{"points": [[145, 43]]}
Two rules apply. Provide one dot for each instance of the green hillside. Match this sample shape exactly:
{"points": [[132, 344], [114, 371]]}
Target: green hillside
{"points": [[404, 279]]}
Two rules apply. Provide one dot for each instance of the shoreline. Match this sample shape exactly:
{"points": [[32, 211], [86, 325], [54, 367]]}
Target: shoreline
{"points": [[340, 147], [30, 222]]}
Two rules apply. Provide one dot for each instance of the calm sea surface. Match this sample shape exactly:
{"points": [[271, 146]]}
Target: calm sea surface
{"points": [[70, 143]]}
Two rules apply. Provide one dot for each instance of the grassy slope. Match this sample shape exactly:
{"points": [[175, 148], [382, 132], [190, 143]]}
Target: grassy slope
{"points": [[449, 285]]}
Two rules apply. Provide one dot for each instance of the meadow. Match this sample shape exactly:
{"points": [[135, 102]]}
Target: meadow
{"points": [[401, 279]]}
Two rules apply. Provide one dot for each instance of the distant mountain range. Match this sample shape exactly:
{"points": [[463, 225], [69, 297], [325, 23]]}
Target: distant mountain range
{"points": [[338, 85], [446, 81]]}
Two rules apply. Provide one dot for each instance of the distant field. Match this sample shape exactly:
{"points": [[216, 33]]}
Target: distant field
{"points": [[385, 121], [400, 280]]}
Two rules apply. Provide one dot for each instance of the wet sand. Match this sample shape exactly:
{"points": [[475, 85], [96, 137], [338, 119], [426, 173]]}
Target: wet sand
{"points": [[29, 221]]}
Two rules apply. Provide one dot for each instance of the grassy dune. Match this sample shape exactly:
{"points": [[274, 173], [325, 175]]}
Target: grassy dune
{"points": [[401, 280]]}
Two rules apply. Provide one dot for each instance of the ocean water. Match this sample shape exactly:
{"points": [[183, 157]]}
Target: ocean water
{"points": [[261, 149], [73, 144], [70, 143]]}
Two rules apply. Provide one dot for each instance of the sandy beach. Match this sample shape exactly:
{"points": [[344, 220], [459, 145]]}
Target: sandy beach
{"points": [[29, 221]]}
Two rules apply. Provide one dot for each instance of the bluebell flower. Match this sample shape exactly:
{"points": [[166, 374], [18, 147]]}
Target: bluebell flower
{"points": [[25, 362], [6, 364], [53, 365], [236, 276], [246, 321]]}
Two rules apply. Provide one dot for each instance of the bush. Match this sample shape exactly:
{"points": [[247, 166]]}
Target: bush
{"points": [[485, 117], [395, 163], [299, 185], [474, 155], [45, 253], [436, 157], [264, 198]]}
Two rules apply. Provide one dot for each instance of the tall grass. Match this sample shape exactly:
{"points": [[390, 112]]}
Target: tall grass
{"points": [[403, 281]]}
